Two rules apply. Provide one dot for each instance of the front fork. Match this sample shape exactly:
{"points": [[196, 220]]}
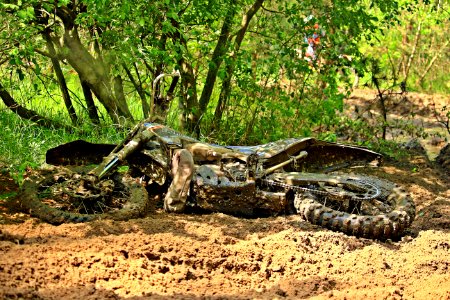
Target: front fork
{"points": [[182, 167], [141, 137]]}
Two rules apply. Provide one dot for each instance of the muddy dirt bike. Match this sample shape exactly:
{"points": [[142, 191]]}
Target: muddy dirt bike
{"points": [[297, 175]]}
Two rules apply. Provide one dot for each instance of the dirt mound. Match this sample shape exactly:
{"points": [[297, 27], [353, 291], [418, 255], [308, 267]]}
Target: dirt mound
{"points": [[443, 158], [216, 256]]}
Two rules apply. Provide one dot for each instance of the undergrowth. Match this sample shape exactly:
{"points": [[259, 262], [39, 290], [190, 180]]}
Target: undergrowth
{"points": [[24, 144]]}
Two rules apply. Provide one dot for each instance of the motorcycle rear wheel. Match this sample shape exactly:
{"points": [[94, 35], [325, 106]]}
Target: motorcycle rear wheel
{"points": [[386, 216], [47, 198]]}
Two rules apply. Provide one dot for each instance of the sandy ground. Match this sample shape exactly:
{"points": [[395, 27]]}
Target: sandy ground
{"points": [[216, 256]]}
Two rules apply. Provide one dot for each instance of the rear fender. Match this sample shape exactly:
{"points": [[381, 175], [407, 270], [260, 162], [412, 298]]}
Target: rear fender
{"points": [[323, 156]]}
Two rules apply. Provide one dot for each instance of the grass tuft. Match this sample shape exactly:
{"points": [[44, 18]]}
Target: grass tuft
{"points": [[24, 144]]}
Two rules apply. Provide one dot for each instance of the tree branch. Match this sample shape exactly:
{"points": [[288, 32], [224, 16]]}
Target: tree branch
{"points": [[138, 87], [44, 53], [270, 10], [430, 65], [217, 58], [26, 113]]}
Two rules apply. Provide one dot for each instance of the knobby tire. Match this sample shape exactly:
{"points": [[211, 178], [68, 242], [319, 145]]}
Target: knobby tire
{"points": [[136, 206], [383, 226]]}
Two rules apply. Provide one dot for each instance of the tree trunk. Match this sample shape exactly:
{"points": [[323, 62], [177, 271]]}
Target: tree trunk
{"points": [[171, 90], [94, 73], [190, 116], [157, 102], [413, 51], [226, 83], [92, 110], [382, 103], [120, 95], [61, 79], [162, 102]]}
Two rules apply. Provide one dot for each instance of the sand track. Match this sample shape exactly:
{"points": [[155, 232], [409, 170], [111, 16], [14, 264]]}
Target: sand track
{"points": [[216, 256]]}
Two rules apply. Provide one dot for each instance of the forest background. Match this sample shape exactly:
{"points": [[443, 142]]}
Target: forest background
{"points": [[85, 69]]}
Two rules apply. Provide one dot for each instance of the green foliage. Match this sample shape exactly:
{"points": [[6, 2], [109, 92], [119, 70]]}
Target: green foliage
{"points": [[275, 92], [415, 49], [149, 39]]}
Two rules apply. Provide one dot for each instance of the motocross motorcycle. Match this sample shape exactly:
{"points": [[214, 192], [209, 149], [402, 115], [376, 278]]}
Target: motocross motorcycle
{"points": [[296, 175]]}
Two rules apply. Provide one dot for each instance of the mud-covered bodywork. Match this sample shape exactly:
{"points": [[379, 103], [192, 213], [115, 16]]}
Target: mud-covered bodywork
{"points": [[214, 191]]}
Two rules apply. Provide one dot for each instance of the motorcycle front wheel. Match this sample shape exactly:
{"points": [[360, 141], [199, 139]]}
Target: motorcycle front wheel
{"points": [[63, 195]]}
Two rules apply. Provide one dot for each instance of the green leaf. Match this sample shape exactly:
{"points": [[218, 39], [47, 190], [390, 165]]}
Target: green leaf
{"points": [[7, 195], [26, 14], [63, 2], [9, 6]]}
